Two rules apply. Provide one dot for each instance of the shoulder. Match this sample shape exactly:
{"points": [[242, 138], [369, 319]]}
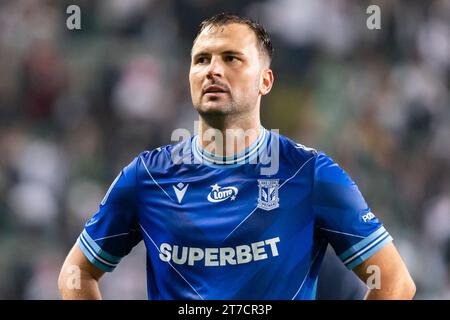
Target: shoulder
{"points": [[327, 170], [325, 167], [294, 151], [163, 157]]}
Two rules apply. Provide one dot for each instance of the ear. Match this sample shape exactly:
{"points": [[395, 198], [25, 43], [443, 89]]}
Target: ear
{"points": [[267, 81]]}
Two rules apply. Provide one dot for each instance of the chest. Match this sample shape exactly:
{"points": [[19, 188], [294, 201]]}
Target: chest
{"points": [[225, 207]]}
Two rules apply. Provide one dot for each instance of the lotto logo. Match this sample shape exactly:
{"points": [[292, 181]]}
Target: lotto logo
{"points": [[219, 194]]}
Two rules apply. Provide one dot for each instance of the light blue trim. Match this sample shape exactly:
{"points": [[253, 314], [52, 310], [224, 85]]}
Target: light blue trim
{"points": [[254, 151], [369, 253], [99, 251], [96, 256], [91, 258], [366, 248], [238, 155], [357, 247]]}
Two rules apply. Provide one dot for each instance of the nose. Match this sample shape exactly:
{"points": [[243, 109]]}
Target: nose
{"points": [[215, 68]]}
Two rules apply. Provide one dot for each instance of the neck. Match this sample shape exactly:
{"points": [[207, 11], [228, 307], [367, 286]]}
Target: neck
{"points": [[227, 135]]}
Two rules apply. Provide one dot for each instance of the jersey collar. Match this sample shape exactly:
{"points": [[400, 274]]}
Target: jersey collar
{"points": [[245, 156]]}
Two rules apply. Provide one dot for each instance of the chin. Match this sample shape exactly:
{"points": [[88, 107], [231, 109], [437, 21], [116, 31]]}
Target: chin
{"points": [[214, 108]]}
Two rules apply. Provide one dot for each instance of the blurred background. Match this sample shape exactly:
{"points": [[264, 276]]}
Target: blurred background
{"points": [[78, 105]]}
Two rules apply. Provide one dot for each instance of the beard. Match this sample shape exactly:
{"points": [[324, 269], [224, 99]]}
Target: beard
{"points": [[216, 106]]}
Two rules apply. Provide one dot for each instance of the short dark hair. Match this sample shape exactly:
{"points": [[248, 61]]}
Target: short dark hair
{"points": [[225, 18]]}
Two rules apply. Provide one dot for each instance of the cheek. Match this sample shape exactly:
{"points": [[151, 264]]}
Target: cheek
{"points": [[247, 91], [250, 84], [243, 79], [195, 82]]}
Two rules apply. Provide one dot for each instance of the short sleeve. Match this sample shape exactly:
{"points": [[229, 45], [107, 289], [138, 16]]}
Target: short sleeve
{"points": [[113, 230], [343, 216]]}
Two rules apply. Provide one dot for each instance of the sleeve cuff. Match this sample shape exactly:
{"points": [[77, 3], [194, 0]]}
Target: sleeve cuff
{"points": [[365, 248], [96, 255]]}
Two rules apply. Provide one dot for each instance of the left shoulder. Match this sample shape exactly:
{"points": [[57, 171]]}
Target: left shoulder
{"points": [[325, 168], [295, 150], [328, 170]]}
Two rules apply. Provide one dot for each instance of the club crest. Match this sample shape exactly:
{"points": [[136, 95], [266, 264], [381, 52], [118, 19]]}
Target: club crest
{"points": [[268, 194]]}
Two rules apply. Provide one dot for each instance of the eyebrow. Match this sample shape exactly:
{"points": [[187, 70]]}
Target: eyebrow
{"points": [[237, 53], [204, 53]]}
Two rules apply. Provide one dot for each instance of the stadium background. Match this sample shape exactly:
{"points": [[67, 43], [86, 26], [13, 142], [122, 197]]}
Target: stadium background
{"points": [[76, 106]]}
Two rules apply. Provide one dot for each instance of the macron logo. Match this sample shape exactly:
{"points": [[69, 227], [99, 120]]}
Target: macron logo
{"points": [[180, 190]]}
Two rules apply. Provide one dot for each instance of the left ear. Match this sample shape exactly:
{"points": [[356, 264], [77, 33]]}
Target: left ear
{"points": [[267, 81]]}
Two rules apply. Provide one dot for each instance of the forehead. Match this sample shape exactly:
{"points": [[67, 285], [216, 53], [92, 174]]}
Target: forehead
{"points": [[232, 36]]}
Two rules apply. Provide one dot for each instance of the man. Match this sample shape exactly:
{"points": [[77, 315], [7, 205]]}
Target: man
{"points": [[228, 216]]}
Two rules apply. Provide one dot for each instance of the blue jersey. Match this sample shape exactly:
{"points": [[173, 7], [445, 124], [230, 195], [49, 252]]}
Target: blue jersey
{"points": [[223, 228]]}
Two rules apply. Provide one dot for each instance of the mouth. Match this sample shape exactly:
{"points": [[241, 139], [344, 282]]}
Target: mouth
{"points": [[214, 90]]}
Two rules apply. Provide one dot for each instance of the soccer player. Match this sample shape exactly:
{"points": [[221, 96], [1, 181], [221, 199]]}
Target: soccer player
{"points": [[222, 219]]}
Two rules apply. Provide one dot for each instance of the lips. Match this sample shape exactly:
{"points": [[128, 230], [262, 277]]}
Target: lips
{"points": [[214, 89]]}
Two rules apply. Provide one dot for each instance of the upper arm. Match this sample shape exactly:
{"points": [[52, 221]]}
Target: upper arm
{"points": [[79, 278], [343, 217], [387, 261], [76, 259], [114, 230], [357, 236], [387, 272]]}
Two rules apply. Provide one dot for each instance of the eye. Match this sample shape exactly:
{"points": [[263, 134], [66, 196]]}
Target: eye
{"points": [[230, 58], [201, 60]]}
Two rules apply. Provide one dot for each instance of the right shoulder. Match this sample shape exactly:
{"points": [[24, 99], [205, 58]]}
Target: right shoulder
{"points": [[162, 158]]}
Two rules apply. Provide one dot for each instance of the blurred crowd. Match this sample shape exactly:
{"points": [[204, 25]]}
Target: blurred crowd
{"points": [[78, 105]]}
